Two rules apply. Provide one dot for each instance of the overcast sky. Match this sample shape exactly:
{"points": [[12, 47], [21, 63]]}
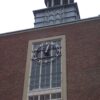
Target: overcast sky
{"points": [[17, 14]]}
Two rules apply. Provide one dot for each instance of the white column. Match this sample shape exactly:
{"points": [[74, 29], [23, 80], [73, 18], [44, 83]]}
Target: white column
{"points": [[68, 1], [52, 3], [61, 2]]}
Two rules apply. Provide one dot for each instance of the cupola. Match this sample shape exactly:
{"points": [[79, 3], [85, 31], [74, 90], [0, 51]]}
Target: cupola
{"points": [[57, 12], [53, 3]]}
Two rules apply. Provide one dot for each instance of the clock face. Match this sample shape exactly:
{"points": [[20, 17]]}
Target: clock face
{"points": [[46, 52]]}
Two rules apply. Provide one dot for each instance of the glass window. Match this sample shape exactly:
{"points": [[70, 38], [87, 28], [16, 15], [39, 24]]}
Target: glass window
{"points": [[49, 3], [46, 69], [56, 73], [46, 65], [35, 98], [65, 2], [56, 2], [55, 95], [30, 97], [34, 78], [71, 1], [45, 75], [45, 97]]}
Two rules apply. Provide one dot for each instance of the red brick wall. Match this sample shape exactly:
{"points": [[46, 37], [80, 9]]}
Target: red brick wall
{"points": [[83, 60]]}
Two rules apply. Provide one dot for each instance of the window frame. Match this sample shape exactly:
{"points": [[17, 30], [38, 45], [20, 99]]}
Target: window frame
{"points": [[63, 89], [57, 3]]}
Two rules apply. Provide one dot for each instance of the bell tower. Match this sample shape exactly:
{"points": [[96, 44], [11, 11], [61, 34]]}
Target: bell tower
{"points": [[57, 12], [53, 3]]}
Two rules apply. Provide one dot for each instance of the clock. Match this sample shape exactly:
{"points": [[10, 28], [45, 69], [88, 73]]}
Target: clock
{"points": [[46, 52]]}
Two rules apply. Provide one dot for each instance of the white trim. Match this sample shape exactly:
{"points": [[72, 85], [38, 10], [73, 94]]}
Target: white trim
{"points": [[63, 88], [44, 91], [64, 69]]}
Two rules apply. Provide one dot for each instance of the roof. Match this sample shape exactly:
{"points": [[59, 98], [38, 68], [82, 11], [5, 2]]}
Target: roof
{"points": [[34, 29]]}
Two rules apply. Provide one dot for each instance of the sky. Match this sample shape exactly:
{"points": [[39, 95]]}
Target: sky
{"points": [[18, 15]]}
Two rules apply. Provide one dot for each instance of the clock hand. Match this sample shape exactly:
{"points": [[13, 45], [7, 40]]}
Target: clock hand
{"points": [[47, 48]]}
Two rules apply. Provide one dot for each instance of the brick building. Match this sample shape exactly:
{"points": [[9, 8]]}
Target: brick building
{"points": [[56, 60]]}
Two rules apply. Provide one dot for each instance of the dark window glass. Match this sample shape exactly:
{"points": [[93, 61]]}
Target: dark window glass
{"points": [[35, 98], [41, 72], [35, 74], [65, 2], [42, 97], [55, 95], [56, 73], [49, 3], [56, 2], [30, 97], [71, 1], [45, 75], [45, 97]]}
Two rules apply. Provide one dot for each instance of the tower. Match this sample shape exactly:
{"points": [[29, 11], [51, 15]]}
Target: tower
{"points": [[57, 12], [60, 61], [52, 3]]}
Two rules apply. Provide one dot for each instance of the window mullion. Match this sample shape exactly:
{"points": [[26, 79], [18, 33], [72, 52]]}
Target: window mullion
{"points": [[39, 97], [61, 2], [52, 3], [40, 68], [51, 69], [50, 96]]}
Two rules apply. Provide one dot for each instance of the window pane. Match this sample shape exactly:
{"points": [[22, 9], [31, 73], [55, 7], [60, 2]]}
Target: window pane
{"points": [[45, 97], [30, 97], [35, 98], [45, 75], [58, 95], [42, 97], [35, 74], [71, 1], [56, 2], [56, 80], [58, 64], [65, 1], [42, 71], [50, 3], [55, 95], [56, 72]]}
